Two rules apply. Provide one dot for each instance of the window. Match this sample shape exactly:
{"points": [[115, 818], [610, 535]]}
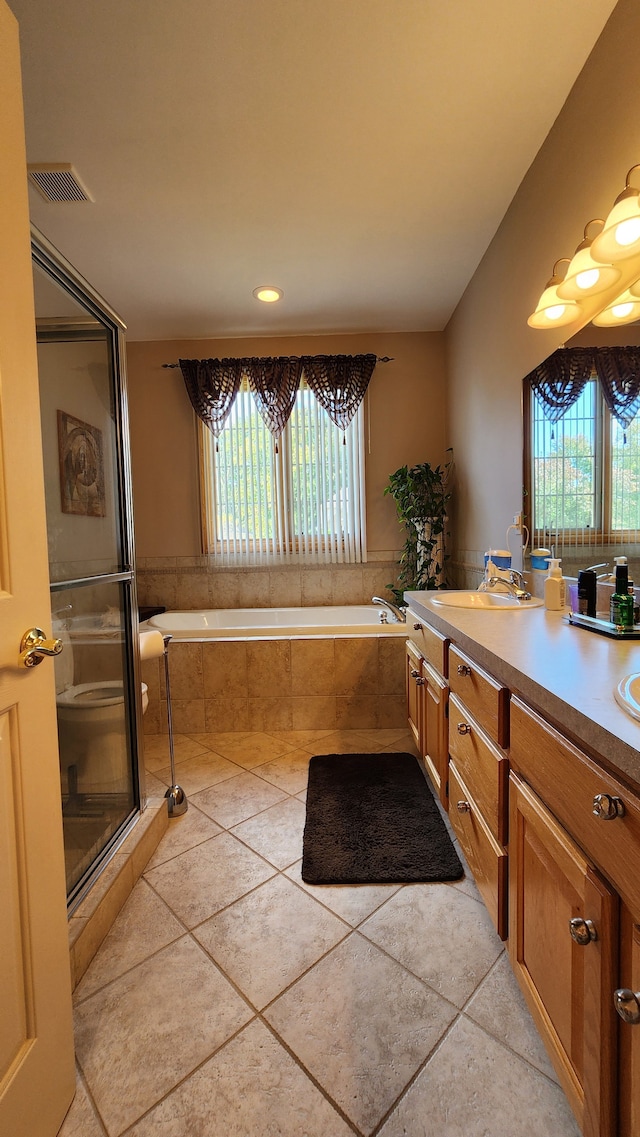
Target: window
{"points": [[583, 474], [304, 497]]}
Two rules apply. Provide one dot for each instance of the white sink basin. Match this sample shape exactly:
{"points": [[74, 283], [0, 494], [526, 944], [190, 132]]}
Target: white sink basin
{"points": [[488, 601], [627, 695]]}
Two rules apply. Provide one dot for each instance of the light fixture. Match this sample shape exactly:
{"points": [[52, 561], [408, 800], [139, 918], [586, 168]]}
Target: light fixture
{"points": [[620, 237], [551, 310], [268, 293], [623, 310], [585, 276]]}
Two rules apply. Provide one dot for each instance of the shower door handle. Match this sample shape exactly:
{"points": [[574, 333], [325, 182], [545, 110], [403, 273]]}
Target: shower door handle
{"points": [[34, 646]]}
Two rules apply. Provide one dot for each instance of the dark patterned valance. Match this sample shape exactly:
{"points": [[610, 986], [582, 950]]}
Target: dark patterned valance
{"points": [[559, 380], [339, 383]]}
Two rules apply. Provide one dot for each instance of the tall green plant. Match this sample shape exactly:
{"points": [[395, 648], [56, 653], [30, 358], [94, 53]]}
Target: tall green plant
{"points": [[421, 494]]}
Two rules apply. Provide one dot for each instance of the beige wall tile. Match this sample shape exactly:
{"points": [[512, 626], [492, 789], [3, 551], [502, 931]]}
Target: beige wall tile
{"points": [[376, 577], [192, 591], [154, 721], [391, 665], [188, 715], [355, 712], [314, 712], [312, 666], [225, 669], [223, 589], [391, 711], [158, 588], [226, 714], [185, 671], [269, 668], [285, 590], [347, 584], [253, 589], [100, 909], [270, 714], [141, 844], [316, 586], [356, 666]]}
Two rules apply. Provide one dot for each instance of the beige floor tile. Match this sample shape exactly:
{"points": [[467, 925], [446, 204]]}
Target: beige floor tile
{"points": [[498, 1006], [81, 1120], [246, 749], [276, 833], [362, 1027], [266, 940], [184, 832], [155, 788], [352, 902], [347, 742], [236, 800], [202, 881], [440, 934], [156, 750], [206, 769], [497, 1093], [387, 738], [163, 1011], [251, 1088], [307, 739], [290, 772], [143, 926]]}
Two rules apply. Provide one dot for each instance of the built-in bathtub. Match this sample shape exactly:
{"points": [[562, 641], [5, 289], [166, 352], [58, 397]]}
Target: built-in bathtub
{"points": [[332, 620], [261, 669]]}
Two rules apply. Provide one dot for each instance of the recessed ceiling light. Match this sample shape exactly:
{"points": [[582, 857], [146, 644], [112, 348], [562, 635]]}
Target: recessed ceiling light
{"points": [[268, 293]]}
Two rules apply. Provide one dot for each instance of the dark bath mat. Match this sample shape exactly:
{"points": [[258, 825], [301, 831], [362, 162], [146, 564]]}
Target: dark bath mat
{"points": [[372, 819]]}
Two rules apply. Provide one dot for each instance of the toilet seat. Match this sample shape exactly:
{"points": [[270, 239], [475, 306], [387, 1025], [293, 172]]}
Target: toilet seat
{"points": [[95, 696]]}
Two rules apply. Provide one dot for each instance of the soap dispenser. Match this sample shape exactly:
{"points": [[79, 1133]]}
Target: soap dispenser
{"points": [[554, 587]]}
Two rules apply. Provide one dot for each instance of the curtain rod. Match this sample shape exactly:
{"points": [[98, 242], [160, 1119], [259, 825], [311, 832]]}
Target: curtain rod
{"points": [[379, 359]]}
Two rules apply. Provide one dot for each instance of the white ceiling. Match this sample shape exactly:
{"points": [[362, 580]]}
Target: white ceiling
{"points": [[359, 154]]}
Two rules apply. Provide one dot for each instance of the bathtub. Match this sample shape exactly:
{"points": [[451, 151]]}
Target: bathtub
{"points": [[279, 623]]}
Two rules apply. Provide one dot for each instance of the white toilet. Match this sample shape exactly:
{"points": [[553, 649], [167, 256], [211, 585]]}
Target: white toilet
{"points": [[91, 730]]}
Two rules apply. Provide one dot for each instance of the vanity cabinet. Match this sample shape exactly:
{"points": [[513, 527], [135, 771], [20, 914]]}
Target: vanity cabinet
{"points": [[427, 697], [478, 778]]}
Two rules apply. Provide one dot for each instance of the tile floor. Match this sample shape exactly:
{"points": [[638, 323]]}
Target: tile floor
{"points": [[232, 1000]]}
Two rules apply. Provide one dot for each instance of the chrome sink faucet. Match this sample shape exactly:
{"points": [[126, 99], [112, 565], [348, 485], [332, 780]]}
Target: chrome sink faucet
{"points": [[398, 614], [514, 585]]}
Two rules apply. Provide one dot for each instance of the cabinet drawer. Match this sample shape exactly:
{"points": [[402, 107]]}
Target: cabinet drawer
{"points": [[484, 768], [431, 644], [487, 859], [568, 781], [484, 698]]}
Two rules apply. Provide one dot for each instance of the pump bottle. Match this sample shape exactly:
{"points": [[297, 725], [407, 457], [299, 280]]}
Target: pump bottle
{"points": [[621, 604], [554, 587]]}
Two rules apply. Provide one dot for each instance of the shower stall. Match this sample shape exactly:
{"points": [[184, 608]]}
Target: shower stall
{"points": [[94, 612]]}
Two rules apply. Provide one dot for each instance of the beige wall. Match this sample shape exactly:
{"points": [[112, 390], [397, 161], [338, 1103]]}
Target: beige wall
{"points": [[575, 177], [407, 426]]}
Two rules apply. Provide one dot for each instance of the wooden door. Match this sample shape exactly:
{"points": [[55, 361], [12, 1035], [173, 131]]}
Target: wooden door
{"points": [[568, 985], [36, 1040], [629, 1032]]}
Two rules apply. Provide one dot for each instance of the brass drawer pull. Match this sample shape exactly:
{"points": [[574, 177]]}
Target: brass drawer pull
{"points": [[414, 673], [463, 728], [627, 1004], [607, 807], [463, 669], [582, 931], [463, 807], [420, 681], [417, 627]]}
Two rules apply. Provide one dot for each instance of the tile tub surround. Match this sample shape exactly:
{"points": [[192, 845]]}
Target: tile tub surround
{"points": [[187, 583], [273, 684], [366, 1010]]}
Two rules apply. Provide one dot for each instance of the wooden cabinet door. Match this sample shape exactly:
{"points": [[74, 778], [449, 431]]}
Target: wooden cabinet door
{"points": [[629, 1032], [414, 697], [435, 749], [568, 986]]}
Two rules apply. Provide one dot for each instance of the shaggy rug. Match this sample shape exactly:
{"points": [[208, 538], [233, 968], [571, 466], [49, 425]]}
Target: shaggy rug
{"points": [[372, 819]]}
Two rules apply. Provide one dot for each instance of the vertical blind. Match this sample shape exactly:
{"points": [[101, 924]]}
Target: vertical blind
{"points": [[303, 497]]}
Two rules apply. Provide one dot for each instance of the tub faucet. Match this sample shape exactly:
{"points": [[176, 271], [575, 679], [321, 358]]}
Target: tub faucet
{"points": [[514, 585], [399, 614]]}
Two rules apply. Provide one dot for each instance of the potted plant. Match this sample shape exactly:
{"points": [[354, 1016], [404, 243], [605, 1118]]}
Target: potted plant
{"points": [[421, 494]]}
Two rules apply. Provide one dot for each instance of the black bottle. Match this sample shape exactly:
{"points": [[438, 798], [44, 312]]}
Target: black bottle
{"points": [[587, 592], [621, 604]]}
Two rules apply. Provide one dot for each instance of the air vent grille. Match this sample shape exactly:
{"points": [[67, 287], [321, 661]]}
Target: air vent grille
{"points": [[57, 181]]}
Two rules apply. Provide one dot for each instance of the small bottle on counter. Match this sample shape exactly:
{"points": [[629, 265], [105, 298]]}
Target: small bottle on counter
{"points": [[555, 587], [621, 603], [587, 592], [636, 604]]}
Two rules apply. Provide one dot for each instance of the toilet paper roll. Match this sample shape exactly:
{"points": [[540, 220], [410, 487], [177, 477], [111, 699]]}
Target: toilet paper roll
{"points": [[151, 645]]}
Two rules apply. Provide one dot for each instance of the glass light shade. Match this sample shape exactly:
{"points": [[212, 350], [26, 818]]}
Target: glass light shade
{"points": [[625, 309], [586, 277], [620, 237], [268, 293], [552, 311]]}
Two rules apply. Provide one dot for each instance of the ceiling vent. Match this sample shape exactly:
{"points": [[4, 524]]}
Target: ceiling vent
{"points": [[57, 181]]}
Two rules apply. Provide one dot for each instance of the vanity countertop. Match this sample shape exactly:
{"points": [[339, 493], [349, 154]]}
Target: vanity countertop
{"points": [[567, 673]]}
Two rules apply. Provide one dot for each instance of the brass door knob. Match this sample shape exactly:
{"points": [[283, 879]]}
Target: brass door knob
{"points": [[582, 931], [607, 807], [627, 1004], [463, 669], [463, 728], [34, 646], [463, 807]]}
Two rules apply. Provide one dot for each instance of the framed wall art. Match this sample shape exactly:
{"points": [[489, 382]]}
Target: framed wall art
{"points": [[81, 467]]}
